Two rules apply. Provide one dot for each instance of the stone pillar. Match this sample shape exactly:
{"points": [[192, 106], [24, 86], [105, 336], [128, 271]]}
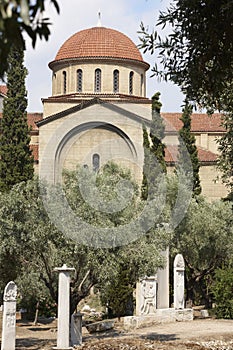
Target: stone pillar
{"points": [[163, 283], [76, 329], [146, 293], [9, 317], [63, 326], [179, 267]]}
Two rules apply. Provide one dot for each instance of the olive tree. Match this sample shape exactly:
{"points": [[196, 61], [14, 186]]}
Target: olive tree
{"points": [[28, 234]]}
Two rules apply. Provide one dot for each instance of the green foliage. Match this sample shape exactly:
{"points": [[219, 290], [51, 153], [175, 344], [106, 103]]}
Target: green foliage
{"points": [[18, 17], [33, 294], [157, 132], [16, 159], [222, 289], [12, 232], [154, 152], [103, 201], [27, 234], [118, 295], [188, 150], [225, 161], [205, 239], [146, 147], [197, 55]]}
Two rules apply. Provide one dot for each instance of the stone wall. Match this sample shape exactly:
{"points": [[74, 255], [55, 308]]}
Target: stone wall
{"points": [[73, 139], [212, 186]]}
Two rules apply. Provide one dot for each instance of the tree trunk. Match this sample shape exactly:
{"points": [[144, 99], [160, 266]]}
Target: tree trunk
{"points": [[37, 313]]}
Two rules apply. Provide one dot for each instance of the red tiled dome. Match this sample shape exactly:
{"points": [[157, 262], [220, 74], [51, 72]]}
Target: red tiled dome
{"points": [[99, 42]]}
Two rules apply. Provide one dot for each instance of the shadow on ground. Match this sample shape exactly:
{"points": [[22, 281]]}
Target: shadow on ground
{"points": [[159, 337], [122, 334], [104, 335], [34, 343]]}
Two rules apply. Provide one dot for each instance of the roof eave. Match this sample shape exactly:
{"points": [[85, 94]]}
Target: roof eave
{"points": [[72, 60], [89, 103]]}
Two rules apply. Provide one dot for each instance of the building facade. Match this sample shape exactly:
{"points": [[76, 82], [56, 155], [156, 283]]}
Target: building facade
{"points": [[98, 107]]}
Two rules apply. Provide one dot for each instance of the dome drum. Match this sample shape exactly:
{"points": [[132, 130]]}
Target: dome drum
{"points": [[99, 60], [80, 77]]}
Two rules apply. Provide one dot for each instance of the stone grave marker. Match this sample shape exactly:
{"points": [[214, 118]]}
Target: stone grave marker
{"points": [[146, 293], [179, 268], [9, 317], [76, 329]]}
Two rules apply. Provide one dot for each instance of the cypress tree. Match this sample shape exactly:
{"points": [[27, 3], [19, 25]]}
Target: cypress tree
{"points": [[225, 159], [157, 132], [146, 147], [154, 152], [187, 148], [16, 163], [119, 295]]}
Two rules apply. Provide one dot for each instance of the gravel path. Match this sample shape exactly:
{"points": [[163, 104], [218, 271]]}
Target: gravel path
{"points": [[196, 335]]}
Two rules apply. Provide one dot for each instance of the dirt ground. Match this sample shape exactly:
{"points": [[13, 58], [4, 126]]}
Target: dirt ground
{"points": [[199, 334]]}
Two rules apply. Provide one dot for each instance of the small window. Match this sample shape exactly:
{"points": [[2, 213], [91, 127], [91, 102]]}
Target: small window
{"points": [[79, 80], [96, 162], [142, 84], [64, 82], [97, 80], [131, 83], [116, 81]]}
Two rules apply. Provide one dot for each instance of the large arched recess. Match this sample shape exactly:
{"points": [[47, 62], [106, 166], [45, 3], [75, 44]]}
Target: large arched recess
{"points": [[70, 137]]}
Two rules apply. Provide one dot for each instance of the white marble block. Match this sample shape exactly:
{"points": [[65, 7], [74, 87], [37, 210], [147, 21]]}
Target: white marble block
{"points": [[146, 295], [63, 325], [179, 268], [9, 317]]}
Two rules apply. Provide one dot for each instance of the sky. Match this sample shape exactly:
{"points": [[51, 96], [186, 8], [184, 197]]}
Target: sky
{"points": [[75, 15]]}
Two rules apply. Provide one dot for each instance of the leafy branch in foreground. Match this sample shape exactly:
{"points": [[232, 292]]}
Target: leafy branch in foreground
{"points": [[17, 17]]}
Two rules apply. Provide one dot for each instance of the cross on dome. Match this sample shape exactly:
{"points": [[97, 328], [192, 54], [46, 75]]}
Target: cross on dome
{"points": [[99, 19]]}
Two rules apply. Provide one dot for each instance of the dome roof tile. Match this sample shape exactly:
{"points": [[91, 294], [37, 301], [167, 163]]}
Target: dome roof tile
{"points": [[99, 42]]}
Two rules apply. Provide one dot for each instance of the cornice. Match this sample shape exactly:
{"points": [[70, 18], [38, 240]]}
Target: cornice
{"points": [[59, 64]]}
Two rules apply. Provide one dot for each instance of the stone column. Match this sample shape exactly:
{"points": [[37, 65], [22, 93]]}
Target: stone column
{"points": [[179, 267], [9, 317], [63, 326], [163, 283]]}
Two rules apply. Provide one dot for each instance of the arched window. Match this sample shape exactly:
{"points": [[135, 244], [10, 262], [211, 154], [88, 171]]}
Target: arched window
{"points": [[79, 80], [97, 80], [116, 81], [131, 83], [142, 84], [64, 82], [96, 161]]}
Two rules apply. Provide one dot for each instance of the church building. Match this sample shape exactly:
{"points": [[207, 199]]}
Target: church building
{"points": [[97, 109]]}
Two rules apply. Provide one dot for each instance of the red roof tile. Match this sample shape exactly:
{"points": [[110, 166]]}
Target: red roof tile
{"points": [[33, 118], [200, 122], [204, 155], [99, 42], [171, 154]]}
